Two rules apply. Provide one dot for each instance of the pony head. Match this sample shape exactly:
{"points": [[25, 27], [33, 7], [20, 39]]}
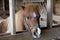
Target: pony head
{"points": [[31, 20]]}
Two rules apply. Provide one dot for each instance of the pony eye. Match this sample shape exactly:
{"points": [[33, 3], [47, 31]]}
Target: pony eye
{"points": [[27, 17]]}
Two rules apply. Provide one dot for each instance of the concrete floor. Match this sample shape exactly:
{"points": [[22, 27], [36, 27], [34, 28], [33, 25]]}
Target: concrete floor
{"points": [[47, 34]]}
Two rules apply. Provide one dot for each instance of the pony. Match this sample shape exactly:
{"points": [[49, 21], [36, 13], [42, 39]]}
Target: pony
{"points": [[31, 19], [27, 18]]}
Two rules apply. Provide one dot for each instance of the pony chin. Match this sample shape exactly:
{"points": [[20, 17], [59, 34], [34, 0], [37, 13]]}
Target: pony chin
{"points": [[37, 33]]}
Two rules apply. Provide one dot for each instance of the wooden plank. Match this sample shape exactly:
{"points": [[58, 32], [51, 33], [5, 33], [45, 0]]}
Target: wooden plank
{"points": [[49, 13], [4, 34], [33, 0], [12, 17]]}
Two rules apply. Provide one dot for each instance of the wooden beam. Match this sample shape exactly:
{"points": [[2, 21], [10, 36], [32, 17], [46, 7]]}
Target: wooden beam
{"points": [[3, 2], [12, 17], [33, 1], [49, 13]]}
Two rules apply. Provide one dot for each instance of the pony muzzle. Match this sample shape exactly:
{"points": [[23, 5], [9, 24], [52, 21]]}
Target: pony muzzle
{"points": [[36, 32]]}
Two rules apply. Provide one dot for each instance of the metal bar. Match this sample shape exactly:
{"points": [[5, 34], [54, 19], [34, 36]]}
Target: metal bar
{"points": [[12, 17], [49, 13]]}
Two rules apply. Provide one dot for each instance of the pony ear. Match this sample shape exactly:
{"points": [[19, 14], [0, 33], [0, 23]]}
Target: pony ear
{"points": [[23, 7]]}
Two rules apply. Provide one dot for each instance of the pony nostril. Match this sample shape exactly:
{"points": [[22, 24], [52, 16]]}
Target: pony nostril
{"points": [[35, 33]]}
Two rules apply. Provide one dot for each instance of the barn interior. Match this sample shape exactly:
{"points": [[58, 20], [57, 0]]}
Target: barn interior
{"points": [[49, 20]]}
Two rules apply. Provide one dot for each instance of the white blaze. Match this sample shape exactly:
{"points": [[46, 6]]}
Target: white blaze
{"points": [[34, 14]]}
